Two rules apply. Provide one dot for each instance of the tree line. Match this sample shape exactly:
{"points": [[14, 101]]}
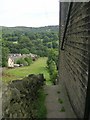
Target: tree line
{"points": [[26, 40]]}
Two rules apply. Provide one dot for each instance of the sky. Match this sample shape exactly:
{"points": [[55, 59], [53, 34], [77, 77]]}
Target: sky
{"points": [[30, 13]]}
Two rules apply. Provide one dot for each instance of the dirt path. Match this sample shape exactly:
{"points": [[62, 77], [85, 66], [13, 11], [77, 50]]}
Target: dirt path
{"points": [[57, 102]]}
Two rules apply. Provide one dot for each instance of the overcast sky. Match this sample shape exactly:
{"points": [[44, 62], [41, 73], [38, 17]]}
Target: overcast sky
{"points": [[31, 13]]}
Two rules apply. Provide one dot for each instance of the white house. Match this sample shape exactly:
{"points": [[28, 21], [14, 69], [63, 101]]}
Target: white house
{"points": [[10, 62], [13, 57]]}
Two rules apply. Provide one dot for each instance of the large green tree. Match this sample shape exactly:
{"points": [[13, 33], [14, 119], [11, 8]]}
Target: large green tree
{"points": [[5, 52], [24, 51]]}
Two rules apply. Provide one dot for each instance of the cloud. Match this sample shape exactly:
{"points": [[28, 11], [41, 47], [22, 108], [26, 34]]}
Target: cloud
{"points": [[29, 12]]}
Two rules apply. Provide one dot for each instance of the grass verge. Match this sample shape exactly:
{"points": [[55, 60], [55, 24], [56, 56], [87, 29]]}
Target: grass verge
{"points": [[40, 106]]}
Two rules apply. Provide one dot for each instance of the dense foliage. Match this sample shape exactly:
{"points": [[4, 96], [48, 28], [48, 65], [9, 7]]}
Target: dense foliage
{"points": [[5, 52], [52, 64], [25, 98], [24, 61], [26, 40]]}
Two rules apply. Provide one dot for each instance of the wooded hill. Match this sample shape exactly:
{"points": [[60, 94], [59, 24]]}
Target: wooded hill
{"points": [[28, 39], [8, 30]]}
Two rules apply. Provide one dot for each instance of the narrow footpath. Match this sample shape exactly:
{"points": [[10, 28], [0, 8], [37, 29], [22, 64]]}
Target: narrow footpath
{"points": [[57, 102], [52, 102]]}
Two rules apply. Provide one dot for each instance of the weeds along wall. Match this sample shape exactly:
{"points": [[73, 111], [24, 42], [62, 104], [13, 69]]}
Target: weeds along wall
{"points": [[74, 53]]}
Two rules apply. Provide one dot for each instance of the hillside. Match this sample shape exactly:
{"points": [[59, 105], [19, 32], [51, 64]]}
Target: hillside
{"points": [[27, 40], [10, 30]]}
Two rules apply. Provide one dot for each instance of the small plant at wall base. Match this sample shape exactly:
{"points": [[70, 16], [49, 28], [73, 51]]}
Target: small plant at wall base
{"points": [[60, 101], [62, 109], [58, 92]]}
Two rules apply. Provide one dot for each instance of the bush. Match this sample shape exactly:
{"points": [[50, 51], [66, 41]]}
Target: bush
{"points": [[26, 98], [60, 101], [62, 109], [22, 61], [54, 77], [52, 70], [28, 60]]}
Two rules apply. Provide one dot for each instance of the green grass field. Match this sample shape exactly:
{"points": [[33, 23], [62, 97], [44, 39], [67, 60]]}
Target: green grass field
{"points": [[39, 66]]}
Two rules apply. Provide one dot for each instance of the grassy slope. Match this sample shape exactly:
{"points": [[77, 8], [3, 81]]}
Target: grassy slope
{"points": [[37, 67]]}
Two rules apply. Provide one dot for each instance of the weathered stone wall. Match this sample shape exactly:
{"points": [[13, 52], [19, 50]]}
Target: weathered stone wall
{"points": [[20, 96], [74, 58]]}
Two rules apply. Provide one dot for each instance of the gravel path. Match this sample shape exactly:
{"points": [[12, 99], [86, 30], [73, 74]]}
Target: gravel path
{"points": [[55, 93]]}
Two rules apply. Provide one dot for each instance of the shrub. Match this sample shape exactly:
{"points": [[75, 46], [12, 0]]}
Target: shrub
{"points": [[58, 92], [22, 61], [60, 101], [28, 60], [52, 70]]}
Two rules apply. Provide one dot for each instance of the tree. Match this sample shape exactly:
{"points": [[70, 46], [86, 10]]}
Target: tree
{"points": [[54, 44], [5, 52], [24, 51], [24, 39], [46, 39], [53, 55]]}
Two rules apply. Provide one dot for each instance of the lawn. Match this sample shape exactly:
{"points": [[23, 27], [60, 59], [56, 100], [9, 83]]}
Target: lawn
{"points": [[39, 66]]}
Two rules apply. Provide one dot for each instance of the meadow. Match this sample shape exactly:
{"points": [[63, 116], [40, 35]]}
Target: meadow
{"points": [[37, 67]]}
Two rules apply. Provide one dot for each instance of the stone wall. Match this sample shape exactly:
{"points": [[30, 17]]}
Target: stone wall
{"points": [[73, 69], [20, 96]]}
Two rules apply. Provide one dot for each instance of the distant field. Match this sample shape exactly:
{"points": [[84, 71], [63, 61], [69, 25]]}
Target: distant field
{"points": [[37, 67]]}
